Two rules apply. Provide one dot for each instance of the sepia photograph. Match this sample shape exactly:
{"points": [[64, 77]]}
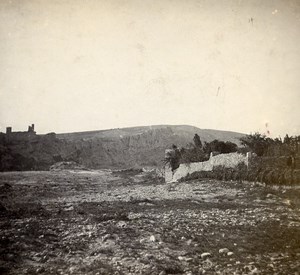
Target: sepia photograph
{"points": [[149, 137]]}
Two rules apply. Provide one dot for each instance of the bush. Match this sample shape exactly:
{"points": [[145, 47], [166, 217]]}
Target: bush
{"points": [[220, 146]]}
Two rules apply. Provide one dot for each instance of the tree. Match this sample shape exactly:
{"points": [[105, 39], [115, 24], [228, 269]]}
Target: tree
{"points": [[197, 141], [287, 139], [230, 147], [219, 146], [174, 157], [257, 143]]}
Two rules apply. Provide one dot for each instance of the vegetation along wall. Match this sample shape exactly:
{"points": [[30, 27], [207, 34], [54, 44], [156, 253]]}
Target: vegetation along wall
{"points": [[230, 160]]}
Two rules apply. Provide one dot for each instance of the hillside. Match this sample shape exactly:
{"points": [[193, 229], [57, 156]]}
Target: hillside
{"points": [[137, 146], [116, 148]]}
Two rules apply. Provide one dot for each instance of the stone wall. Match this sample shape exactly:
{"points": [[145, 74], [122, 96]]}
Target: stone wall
{"points": [[230, 160]]}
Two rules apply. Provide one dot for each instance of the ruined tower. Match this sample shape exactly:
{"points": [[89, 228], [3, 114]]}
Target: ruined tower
{"points": [[8, 130], [31, 128]]}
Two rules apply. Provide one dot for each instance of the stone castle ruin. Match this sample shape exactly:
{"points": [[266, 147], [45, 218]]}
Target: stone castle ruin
{"points": [[19, 136]]}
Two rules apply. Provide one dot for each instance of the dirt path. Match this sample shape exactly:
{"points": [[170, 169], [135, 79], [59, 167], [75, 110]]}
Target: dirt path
{"points": [[98, 222]]}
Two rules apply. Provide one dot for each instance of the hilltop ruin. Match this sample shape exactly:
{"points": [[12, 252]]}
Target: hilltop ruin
{"points": [[20, 135]]}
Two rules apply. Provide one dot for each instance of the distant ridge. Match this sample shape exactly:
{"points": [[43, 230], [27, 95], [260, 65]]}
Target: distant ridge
{"points": [[141, 146], [183, 130]]}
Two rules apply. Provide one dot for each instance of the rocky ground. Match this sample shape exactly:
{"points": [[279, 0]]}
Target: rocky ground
{"points": [[130, 222]]}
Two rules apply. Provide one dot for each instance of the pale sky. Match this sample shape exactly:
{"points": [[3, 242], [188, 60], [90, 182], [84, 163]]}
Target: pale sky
{"points": [[75, 65]]}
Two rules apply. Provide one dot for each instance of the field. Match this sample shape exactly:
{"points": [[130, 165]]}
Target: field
{"points": [[130, 222]]}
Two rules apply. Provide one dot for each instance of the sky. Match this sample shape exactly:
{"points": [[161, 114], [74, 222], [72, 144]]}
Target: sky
{"points": [[76, 65]]}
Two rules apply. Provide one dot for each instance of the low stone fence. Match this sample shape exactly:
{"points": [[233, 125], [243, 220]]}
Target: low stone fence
{"points": [[230, 160]]}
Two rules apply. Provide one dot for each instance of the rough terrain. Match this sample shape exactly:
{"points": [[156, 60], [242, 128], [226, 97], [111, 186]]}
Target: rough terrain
{"points": [[130, 222]]}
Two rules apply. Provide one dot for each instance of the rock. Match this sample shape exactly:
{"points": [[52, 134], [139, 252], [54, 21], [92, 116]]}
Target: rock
{"points": [[188, 242], [121, 224], [251, 269], [142, 240], [40, 270], [223, 250], [180, 258], [188, 259], [287, 202], [72, 269], [229, 253], [115, 259], [271, 196], [152, 238], [69, 208], [148, 256], [205, 255], [207, 264], [106, 237]]}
